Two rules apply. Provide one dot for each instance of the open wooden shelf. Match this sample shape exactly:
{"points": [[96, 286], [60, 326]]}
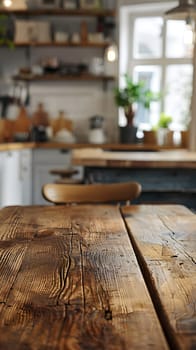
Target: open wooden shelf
{"points": [[62, 12], [66, 44], [58, 77]]}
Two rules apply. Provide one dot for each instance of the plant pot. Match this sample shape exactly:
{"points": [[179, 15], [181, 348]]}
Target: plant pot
{"points": [[165, 137], [161, 137], [185, 138], [150, 137], [128, 134]]}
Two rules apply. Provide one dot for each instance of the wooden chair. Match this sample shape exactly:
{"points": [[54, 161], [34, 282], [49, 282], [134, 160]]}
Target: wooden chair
{"points": [[91, 193]]}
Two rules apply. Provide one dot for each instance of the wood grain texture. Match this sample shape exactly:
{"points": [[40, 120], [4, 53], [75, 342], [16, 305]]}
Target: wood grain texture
{"points": [[165, 245], [150, 209], [75, 282]]}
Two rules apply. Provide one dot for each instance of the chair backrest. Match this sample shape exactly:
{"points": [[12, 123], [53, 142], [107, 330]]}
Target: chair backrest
{"points": [[91, 193]]}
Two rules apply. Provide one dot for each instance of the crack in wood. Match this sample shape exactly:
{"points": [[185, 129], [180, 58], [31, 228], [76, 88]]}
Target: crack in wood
{"points": [[178, 244], [63, 273], [82, 275]]}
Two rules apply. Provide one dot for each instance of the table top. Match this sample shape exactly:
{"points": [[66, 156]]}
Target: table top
{"points": [[162, 159], [97, 277]]}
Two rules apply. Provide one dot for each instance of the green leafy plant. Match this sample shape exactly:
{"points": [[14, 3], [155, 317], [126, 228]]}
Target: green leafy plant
{"points": [[164, 121], [4, 40], [133, 93]]}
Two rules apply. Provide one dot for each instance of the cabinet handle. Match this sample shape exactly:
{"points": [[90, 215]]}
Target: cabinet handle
{"points": [[64, 150]]}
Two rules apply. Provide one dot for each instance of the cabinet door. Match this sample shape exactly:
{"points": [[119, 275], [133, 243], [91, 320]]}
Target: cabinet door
{"points": [[11, 185], [16, 178], [43, 162]]}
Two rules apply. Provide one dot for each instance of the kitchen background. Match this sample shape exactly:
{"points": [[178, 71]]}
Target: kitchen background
{"points": [[78, 99], [142, 51], [143, 36]]}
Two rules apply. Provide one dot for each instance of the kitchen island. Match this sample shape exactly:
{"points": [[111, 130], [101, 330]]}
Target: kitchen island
{"points": [[165, 176]]}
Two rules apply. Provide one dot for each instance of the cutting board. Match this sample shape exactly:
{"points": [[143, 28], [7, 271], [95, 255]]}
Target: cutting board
{"points": [[6, 130], [22, 123], [61, 123]]}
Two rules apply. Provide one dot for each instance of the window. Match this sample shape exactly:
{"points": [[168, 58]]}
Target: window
{"points": [[158, 51]]}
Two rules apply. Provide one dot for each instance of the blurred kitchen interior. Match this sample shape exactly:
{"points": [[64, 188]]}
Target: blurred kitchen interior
{"points": [[151, 47]]}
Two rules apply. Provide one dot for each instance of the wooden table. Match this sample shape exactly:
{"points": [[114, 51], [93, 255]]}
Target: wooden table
{"points": [[97, 277]]}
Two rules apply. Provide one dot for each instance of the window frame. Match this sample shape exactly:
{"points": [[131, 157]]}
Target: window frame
{"points": [[127, 62]]}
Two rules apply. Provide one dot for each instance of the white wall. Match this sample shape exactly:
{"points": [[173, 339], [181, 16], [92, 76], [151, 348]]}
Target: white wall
{"points": [[79, 101]]}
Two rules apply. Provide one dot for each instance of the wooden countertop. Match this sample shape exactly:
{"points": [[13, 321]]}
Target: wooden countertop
{"points": [[59, 145], [106, 146], [75, 277], [162, 159], [14, 146]]}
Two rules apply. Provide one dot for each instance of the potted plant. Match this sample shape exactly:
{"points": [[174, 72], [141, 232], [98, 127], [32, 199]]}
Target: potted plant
{"points": [[160, 134], [128, 97], [164, 135]]}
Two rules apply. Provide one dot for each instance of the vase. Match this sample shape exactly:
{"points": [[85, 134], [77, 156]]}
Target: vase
{"points": [[165, 137]]}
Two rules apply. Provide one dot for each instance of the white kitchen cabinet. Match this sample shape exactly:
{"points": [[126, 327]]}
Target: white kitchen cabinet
{"points": [[45, 160], [16, 178]]}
